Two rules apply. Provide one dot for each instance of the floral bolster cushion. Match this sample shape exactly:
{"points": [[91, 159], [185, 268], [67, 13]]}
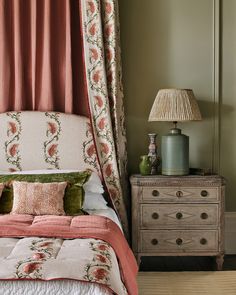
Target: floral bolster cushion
{"points": [[74, 193]]}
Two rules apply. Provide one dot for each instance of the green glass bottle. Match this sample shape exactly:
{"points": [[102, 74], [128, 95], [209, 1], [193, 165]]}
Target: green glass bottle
{"points": [[145, 165], [175, 153]]}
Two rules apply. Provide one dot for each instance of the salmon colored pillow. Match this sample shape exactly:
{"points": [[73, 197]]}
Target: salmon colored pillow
{"points": [[1, 188], [38, 198]]}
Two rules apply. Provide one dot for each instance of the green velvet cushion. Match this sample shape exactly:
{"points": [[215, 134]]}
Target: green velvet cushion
{"points": [[74, 194]]}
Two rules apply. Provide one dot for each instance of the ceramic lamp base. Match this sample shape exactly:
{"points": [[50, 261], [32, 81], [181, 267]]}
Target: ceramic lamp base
{"points": [[175, 153]]}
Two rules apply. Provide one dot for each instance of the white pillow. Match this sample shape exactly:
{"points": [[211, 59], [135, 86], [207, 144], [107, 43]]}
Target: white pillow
{"points": [[94, 201], [93, 185]]}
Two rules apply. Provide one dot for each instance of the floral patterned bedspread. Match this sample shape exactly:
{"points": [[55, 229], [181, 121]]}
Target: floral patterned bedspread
{"points": [[60, 247]]}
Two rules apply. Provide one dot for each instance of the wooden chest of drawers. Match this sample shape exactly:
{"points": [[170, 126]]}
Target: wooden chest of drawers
{"points": [[178, 216]]}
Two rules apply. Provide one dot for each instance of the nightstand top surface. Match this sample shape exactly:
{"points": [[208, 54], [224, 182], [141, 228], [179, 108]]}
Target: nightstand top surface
{"points": [[213, 179]]}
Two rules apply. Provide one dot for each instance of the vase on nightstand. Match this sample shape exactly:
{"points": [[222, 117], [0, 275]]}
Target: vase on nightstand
{"points": [[145, 166], [152, 148]]}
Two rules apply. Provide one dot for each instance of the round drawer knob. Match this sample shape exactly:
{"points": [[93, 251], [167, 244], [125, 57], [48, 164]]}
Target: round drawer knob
{"points": [[179, 241], [154, 241], [204, 215], [179, 215], [155, 215], [179, 194], [155, 193], [203, 241], [204, 193]]}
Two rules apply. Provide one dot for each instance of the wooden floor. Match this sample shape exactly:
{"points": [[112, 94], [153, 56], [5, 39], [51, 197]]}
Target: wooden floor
{"points": [[185, 263], [187, 283]]}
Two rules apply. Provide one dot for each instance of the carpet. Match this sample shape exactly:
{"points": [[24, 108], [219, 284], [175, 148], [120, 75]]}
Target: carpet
{"points": [[187, 283]]}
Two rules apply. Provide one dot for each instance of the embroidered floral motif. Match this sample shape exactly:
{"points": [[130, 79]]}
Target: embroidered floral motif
{"points": [[89, 150], [99, 268], [103, 63], [51, 155], [31, 267], [12, 143]]}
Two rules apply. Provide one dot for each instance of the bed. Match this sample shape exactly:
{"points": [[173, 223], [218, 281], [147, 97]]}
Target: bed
{"points": [[49, 156]]}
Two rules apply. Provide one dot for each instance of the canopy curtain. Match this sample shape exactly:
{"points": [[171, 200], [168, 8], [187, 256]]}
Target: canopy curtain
{"points": [[102, 57], [64, 55], [41, 64]]}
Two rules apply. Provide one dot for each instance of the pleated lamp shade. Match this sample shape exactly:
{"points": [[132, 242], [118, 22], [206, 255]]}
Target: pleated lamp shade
{"points": [[176, 105]]}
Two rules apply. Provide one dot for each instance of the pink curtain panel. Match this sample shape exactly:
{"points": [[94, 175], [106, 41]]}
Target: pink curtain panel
{"points": [[41, 59]]}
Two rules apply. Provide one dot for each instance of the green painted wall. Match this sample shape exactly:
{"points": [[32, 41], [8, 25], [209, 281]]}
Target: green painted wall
{"points": [[169, 43], [228, 108]]}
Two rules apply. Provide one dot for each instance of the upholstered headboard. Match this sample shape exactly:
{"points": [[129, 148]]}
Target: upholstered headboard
{"points": [[45, 140]]}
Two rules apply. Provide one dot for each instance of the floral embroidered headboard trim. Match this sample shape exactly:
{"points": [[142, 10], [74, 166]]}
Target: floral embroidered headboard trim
{"points": [[45, 140], [50, 145], [11, 144]]}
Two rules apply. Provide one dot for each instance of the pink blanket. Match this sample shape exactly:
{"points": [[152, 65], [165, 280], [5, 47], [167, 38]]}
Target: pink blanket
{"points": [[68, 227]]}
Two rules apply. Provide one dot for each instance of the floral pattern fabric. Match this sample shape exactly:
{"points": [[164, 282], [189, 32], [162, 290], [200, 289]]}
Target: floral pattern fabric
{"points": [[105, 94], [46, 140], [51, 258], [99, 268], [50, 145], [12, 152]]}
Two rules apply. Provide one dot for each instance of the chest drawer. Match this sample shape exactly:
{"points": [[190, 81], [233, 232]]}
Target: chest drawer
{"points": [[178, 215], [180, 194], [179, 241]]}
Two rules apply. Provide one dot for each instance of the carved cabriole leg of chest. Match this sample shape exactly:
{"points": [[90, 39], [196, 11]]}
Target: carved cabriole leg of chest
{"points": [[138, 258], [219, 261]]}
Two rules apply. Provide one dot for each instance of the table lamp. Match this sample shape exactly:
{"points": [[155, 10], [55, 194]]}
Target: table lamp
{"points": [[176, 105]]}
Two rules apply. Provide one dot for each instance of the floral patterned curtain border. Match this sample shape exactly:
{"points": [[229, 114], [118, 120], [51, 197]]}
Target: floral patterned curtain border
{"points": [[102, 59]]}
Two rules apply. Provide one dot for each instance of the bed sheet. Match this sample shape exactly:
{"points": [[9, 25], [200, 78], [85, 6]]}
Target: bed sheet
{"points": [[109, 212], [59, 287]]}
